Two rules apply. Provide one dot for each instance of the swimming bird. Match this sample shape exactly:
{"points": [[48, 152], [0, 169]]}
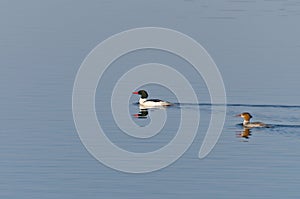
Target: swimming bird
{"points": [[150, 103], [246, 123]]}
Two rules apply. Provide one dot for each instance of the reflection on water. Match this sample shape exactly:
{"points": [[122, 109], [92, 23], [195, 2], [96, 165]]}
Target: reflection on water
{"points": [[282, 120], [245, 133], [41, 154], [142, 114], [286, 123]]}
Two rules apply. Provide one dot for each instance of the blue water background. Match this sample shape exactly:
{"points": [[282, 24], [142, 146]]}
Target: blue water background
{"points": [[255, 45]]}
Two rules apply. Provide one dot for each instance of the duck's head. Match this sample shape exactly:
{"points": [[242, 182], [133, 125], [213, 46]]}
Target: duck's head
{"points": [[247, 116], [142, 93]]}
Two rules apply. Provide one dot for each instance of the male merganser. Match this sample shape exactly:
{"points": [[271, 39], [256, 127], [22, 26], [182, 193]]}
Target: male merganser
{"points": [[246, 123], [150, 102]]}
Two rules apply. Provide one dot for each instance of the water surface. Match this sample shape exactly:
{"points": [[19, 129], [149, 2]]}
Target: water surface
{"points": [[255, 45]]}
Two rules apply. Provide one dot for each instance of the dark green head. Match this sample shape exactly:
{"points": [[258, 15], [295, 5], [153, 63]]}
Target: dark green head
{"points": [[142, 93]]}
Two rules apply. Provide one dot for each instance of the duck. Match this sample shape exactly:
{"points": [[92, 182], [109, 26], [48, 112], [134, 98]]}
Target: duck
{"points": [[246, 123], [150, 103]]}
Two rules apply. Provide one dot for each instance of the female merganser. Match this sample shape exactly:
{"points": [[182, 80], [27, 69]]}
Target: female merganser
{"points": [[246, 123], [150, 102]]}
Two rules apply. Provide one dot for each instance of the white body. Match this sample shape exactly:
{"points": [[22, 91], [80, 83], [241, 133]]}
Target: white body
{"points": [[153, 104]]}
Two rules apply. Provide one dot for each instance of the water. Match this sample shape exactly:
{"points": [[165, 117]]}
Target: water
{"points": [[256, 47]]}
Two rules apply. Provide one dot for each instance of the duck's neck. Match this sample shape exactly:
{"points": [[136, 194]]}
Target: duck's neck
{"points": [[246, 122], [142, 100]]}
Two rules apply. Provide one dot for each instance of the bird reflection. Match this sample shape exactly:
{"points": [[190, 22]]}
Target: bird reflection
{"points": [[143, 114], [245, 133]]}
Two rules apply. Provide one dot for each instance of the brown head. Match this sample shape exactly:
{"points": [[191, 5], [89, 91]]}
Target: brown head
{"points": [[247, 116]]}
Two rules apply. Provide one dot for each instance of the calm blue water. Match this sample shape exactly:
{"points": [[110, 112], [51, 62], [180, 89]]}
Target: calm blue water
{"points": [[256, 46]]}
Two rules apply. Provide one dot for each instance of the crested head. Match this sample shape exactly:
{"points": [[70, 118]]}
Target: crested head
{"points": [[142, 93], [247, 116]]}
